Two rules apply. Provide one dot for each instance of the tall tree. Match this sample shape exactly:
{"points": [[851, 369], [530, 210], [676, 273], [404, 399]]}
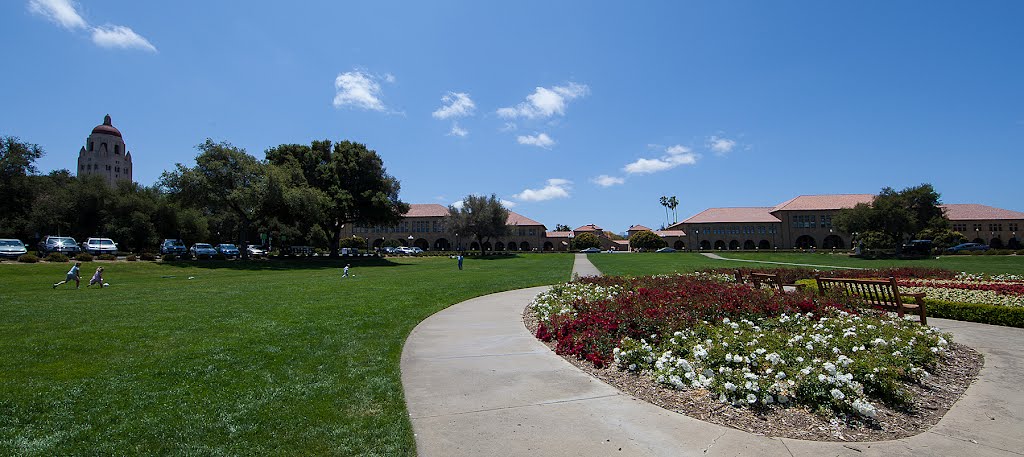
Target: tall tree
{"points": [[896, 215], [17, 170], [484, 217], [562, 228], [347, 182], [225, 178], [664, 203], [673, 202]]}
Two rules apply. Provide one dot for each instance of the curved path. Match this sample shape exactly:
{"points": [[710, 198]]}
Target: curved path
{"points": [[477, 383]]}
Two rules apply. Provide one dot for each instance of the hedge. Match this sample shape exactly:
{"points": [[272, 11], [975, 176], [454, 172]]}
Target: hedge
{"points": [[976, 312]]}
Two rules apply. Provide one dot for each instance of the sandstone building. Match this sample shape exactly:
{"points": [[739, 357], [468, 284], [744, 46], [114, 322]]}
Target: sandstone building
{"points": [[105, 154]]}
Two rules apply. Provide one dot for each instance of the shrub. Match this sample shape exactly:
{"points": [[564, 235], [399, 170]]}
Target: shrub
{"points": [[107, 257], [976, 252], [169, 257], [149, 256], [219, 256], [646, 240], [585, 240], [204, 256], [131, 258], [1020, 252], [28, 258], [56, 257], [83, 257], [992, 252], [975, 312]]}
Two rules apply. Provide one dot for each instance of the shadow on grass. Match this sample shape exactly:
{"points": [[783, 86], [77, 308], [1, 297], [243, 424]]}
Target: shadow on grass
{"points": [[304, 263]]}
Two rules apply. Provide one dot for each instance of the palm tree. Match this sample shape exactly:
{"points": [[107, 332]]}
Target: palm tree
{"points": [[673, 202], [664, 202]]}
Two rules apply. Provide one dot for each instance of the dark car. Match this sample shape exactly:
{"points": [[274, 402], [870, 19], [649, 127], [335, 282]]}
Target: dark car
{"points": [[666, 249], [171, 246], [64, 244], [12, 248], [199, 249], [590, 250], [968, 247], [922, 247], [229, 250]]}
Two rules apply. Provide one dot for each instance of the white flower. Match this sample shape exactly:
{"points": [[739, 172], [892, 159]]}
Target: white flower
{"points": [[751, 398], [729, 386], [837, 394]]}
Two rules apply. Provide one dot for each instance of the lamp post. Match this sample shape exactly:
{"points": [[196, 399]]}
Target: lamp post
{"points": [[458, 244], [697, 232], [571, 236], [410, 240]]}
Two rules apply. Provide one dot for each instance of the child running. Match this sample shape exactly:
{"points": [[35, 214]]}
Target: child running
{"points": [[346, 271], [97, 277], [72, 276]]}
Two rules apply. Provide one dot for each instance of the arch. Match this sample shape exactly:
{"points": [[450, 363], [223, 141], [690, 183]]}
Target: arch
{"points": [[679, 245], [734, 245], [705, 244], [474, 246], [996, 243], [832, 242], [524, 246], [512, 246], [719, 245], [499, 246], [378, 243], [804, 242], [548, 246], [764, 244], [749, 245], [978, 240], [442, 244], [1014, 243], [422, 244], [487, 246]]}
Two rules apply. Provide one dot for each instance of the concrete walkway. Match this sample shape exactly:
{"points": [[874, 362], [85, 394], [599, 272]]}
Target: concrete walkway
{"points": [[477, 383], [581, 267], [718, 257]]}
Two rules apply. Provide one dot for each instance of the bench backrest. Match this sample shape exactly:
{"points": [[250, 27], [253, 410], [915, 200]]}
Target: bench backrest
{"points": [[883, 293], [762, 280]]}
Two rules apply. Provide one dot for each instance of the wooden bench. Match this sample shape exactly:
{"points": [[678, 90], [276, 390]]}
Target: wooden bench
{"points": [[882, 294], [765, 280]]}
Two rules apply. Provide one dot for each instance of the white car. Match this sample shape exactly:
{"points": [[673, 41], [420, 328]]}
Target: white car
{"points": [[12, 248], [408, 250], [255, 250], [97, 246]]}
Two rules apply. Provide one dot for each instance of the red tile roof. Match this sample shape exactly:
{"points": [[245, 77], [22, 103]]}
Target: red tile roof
{"points": [[664, 233], [426, 210], [515, 218], [589, 228], [823, 202], [974, 212], [719, 215], [638, 228], [557, 234]]}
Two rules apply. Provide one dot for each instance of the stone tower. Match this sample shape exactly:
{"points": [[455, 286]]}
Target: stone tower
{"points": [[105, 154]]}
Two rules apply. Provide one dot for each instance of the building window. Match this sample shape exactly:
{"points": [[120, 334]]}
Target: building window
{"points": [[117, 149], [90, 145], [533, 232], [977, 227], [960, 227], [803, 222], [826, 221], [995, 227], [1013, 226]]}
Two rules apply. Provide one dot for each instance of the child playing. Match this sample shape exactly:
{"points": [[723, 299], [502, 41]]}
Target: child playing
{"points": [[346, 271], [71, 276], [97, 278]]}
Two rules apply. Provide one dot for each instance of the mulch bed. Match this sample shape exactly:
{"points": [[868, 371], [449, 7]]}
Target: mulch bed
{"points": [[932, 398]]}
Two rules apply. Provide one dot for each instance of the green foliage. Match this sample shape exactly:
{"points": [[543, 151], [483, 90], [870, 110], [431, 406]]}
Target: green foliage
{"points": [[898, 214], [584, 240], [56, 257], [17, 185], [353, 242], [483, 217], [977, 312], [876, 240], [392, 243], [84, 257], [28, 258], [131, 258], [169, 257], [942, 237], [107, 257], [148, 256], [562, 228], [646, 239]]}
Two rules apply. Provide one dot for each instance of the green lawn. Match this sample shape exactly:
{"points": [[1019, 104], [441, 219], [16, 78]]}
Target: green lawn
{"points": [[639, 264], [225, 358]]}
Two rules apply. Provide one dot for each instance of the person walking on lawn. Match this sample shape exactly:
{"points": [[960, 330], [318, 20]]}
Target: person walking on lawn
{"points": [[71, 276]]}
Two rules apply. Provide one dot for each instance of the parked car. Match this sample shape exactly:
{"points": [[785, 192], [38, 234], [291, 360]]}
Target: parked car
{"points": [[918, 247], [590, 250], [968, 247], [199, 249], [64, 244], [390, 250], [229, 250], [666, 249], [255, 250], [349, 251], [408, 250], [172, 246], [12, 248], [97, 246]]}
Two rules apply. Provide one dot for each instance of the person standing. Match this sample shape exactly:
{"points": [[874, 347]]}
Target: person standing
{"points": [[460, 261], [71, 276], [346, 271]]}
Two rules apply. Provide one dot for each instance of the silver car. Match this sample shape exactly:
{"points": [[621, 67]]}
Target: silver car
{"points": [[97, 246], [12, 248]]}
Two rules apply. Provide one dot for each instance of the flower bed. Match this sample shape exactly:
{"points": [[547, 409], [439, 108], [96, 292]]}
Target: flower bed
{"points": [[744, 346]]}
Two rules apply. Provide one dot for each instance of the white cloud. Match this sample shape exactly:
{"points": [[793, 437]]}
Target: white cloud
{"points": [[358, 89], [508, 203], [544, 102], [721, 146], [61, 12], [456, 104], [608, 181], [674, 156], [390, 78], [458, 131], [457, 205], [119, 36], [509, 126], [542, 140], [555, 188]]}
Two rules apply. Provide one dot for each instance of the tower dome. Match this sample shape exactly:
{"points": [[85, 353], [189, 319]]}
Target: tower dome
{"points": [[107, 128]]}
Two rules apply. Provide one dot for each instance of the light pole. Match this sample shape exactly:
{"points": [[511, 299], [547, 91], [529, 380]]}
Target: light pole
{"points": [[458, 244], [571, 236], [410, 240], [697, 231]]}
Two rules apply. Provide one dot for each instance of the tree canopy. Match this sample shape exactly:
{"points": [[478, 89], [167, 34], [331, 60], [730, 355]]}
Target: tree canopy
{"points": [[562, 228], [646, 239], [483, 217], [895, 216], [584, 240]]}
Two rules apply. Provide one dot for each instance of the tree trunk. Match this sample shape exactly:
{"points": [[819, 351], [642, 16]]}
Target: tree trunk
{"points": [[335, 239], [243, 250], [480, 242]]}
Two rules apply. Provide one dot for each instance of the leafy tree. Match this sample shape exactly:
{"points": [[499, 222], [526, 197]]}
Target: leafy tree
{"points": [[872, 239], [353, 242], [484, 217], [17, 185], [899, 215], [53, 205], [585, 240], [225, 179], [562, 228], [646, 239], [346, 183], [942, 238]]}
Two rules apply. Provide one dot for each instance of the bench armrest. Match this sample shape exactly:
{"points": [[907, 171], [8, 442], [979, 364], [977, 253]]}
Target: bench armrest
{"points": [[915, 295], [797, 286]]}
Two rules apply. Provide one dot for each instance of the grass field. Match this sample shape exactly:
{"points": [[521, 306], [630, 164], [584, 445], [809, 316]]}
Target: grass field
{"points": [[655, 263], [225, 358]]}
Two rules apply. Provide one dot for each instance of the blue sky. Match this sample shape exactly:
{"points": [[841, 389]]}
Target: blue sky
{"points": [[573, 112]]}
